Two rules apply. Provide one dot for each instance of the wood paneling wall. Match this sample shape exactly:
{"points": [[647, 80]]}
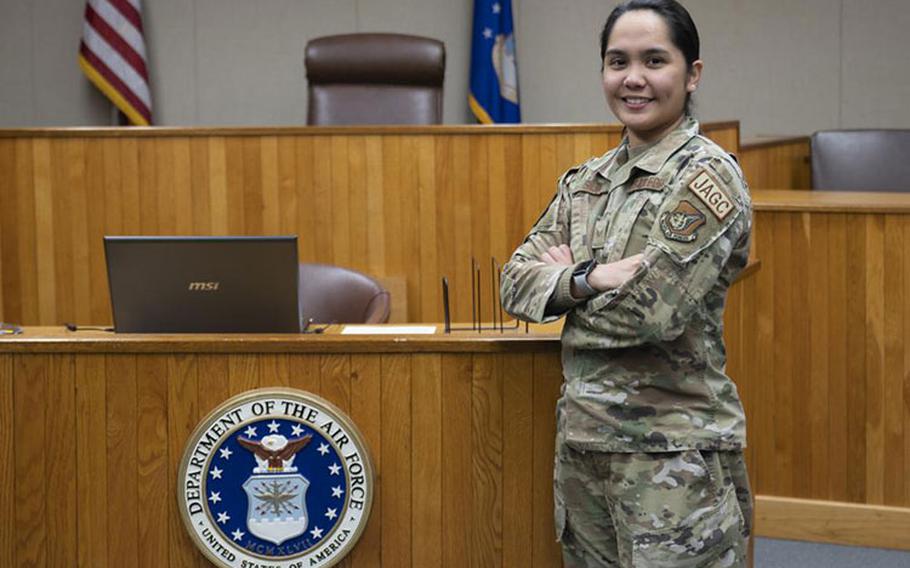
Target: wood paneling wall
{"points": [[462, 444], [833, 312], [781, 163], [409, 202]]}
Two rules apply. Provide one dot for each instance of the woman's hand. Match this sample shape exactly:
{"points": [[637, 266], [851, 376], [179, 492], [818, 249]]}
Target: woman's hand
{"points": [[604, 276], [558, 255], [613, 275]]}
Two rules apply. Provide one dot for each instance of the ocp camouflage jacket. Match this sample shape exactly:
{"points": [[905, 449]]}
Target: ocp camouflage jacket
{"points": [[643, 363]]}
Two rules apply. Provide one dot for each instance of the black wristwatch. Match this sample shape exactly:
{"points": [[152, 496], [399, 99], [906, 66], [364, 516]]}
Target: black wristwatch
{"points": [[580, 278]]}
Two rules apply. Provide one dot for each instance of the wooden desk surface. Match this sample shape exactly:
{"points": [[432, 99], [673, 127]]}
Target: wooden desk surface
{"points": [[57, 339], [375, 130], [830, 201], [757, 142]]}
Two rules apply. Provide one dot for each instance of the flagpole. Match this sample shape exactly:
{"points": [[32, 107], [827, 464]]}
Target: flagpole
{"points": [[118, 118]]}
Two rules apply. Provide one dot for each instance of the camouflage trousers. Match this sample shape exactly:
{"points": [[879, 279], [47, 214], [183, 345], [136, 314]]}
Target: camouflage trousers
{"points": [[676, 509]]}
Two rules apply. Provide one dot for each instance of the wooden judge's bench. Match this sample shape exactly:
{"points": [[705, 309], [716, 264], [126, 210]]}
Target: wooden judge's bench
{"points": [[460, 428]]}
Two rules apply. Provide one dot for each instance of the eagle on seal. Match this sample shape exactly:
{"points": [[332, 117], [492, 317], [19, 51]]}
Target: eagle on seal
{"points": [[275, 449]]}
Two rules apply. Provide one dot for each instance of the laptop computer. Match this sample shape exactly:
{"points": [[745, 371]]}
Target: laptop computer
{"points": [[203, 284]]}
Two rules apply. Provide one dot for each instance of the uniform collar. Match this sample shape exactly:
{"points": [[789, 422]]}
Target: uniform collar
{"points": [[653, 160]]}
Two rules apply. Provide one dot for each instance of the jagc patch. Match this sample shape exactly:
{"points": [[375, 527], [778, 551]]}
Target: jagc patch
{"points": [[275, 477], [711, 193], [680, 224]]}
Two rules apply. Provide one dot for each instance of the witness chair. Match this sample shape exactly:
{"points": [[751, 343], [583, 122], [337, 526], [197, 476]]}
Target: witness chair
{"points": [[861, 160], [374, 79], [332, 294]]}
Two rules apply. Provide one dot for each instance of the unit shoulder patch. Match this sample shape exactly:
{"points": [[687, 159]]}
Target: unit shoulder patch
{"points": [[712, 193], [681, 223]]}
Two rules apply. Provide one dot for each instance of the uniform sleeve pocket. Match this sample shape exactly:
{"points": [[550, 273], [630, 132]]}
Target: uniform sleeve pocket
{"points": [[710, 536]]}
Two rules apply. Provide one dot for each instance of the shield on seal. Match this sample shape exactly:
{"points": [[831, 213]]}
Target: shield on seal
{"points": [[276, 509]]}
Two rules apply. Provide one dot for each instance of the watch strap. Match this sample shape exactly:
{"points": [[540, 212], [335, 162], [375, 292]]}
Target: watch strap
{"points": [[580, 278]]}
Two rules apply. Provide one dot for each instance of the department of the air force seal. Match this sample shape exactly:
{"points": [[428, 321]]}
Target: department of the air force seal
{"points": [[277, 478]]}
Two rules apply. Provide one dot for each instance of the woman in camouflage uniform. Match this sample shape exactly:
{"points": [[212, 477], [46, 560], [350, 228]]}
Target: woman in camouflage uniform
{"points": [[637, 250]]}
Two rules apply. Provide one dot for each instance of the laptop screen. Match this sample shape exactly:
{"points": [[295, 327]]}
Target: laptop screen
{"points": [[203, 284]]}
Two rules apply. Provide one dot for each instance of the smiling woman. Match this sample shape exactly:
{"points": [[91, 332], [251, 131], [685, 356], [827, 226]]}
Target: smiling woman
{"points": [[647, 80], [637, 250]]}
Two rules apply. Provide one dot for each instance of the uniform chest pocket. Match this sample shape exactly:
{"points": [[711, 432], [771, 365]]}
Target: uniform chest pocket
{"points": [[599, 236], [644, 221], [586, 205], [626, 230]]}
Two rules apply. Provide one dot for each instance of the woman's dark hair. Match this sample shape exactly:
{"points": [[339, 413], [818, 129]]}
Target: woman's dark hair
{"points": [[683, 32]]}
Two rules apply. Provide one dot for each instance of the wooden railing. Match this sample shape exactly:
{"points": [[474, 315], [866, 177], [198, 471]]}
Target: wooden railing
{"points": [[776, 163], [818, 343]]}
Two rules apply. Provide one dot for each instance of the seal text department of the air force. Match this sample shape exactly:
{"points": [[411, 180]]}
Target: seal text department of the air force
{"points": [[275, 478]]}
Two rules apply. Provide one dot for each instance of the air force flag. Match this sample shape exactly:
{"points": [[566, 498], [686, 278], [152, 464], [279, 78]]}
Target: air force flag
{"points": [[494, 72]]}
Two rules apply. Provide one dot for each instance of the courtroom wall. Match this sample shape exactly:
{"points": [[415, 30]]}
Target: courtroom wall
{"points": [[779, 66]]}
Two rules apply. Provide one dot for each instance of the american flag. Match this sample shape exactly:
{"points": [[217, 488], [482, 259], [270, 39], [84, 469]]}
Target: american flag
{"points": [[112, 56]]}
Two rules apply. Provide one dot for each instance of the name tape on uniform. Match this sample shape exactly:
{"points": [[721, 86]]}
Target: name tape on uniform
{"points": [[648, 182], [706, 188]]}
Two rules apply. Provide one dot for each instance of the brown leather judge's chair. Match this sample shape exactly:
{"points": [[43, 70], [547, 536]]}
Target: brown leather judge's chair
{"points": [[374, 79], [332, 294], [861, 160]]}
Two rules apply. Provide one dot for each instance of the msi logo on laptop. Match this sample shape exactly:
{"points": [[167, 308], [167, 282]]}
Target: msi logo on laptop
{"points": [[203, 286]]}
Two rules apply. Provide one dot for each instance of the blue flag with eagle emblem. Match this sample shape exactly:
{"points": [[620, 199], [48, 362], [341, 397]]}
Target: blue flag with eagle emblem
{"points": [[494, 71]]}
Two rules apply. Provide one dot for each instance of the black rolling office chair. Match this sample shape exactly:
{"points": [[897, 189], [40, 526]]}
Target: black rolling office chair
{"points": [[861, 160]]}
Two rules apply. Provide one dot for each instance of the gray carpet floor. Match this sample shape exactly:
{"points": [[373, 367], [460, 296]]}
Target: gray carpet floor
{"points": [[773, 553]]}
